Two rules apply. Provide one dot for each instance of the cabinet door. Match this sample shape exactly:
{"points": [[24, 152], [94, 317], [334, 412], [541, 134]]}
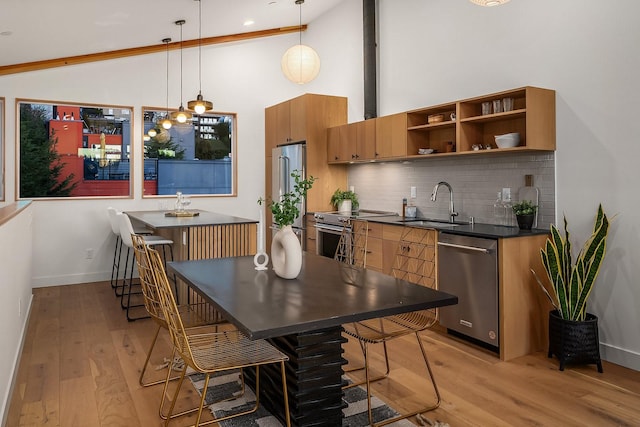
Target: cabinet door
{"points": [[282, 123], [333, 145], [348, 142], [366, 140], [298, 119], [338, 147], [270, 130], [391, 136]]}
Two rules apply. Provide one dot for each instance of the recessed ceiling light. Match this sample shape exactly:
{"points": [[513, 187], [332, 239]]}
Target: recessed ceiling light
{"points": [[249, 22], [6, 33]]}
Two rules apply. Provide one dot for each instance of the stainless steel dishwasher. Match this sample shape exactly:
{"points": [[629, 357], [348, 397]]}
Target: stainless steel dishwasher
{"points": [[468, 268]]}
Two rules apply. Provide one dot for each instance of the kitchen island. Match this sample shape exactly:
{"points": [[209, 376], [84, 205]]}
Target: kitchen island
{"points": [[203, 235]]}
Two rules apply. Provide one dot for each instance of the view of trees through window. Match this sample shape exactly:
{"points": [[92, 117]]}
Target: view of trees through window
{"points": [[69, 150], [195, 157], [72, 150]]}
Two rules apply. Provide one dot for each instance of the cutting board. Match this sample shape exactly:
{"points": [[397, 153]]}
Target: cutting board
{"points": [[529, 192]]}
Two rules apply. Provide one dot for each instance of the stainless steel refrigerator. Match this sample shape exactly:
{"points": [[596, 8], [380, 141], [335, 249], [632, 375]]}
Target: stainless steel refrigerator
{"points": [[286, 159]]}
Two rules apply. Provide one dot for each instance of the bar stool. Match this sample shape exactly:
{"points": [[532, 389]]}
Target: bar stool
{"points": [[126, 230], [117, 254]]}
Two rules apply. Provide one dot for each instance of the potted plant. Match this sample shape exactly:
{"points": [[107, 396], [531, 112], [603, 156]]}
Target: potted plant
{"points": [[344, 201], [286, 252], [525, 212], [573, 333]]}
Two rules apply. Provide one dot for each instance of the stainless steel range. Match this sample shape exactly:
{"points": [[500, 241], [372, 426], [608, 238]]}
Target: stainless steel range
{"points": [[329, 226]]}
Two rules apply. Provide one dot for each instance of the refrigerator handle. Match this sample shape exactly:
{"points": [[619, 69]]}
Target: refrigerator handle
{"points": [[284, 175]]}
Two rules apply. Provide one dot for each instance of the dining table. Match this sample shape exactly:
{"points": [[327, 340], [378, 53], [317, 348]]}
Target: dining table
{"points": [[303, 317]]}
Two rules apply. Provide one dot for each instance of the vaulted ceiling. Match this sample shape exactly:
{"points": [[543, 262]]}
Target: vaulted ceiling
{"points": [[38, 30]]}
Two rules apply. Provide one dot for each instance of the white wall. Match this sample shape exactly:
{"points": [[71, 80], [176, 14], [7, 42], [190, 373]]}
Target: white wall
{"points": [[431, 51], [15, 265], [441, 50]]}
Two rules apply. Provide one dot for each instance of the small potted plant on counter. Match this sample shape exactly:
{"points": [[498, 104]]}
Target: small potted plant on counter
{"points": [[525, 212], [573, 333], [344, 201]]}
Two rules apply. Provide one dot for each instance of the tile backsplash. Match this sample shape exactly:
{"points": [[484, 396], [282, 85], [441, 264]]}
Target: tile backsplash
{"points": [[475, 180]]}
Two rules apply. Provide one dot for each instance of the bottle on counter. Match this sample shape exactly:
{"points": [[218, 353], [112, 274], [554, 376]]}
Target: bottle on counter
{"points": [[179, 205], [509, 217], [404, 207], [498, 210]]}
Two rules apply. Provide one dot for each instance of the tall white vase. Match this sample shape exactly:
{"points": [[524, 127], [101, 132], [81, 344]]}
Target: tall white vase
{"points": [[286, 253]]}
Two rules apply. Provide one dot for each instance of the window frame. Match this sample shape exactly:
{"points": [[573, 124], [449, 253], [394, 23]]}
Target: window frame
{"points": [[131, 144], [234, 153]]}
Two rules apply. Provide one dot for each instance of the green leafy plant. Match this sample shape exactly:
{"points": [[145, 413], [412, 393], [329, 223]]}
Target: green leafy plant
{"points": [[286, 210], [525, 207], [339, 196], [571, 283]]}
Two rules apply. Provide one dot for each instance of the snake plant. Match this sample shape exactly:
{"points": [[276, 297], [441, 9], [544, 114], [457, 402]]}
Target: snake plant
{"points": [[571, 283]]}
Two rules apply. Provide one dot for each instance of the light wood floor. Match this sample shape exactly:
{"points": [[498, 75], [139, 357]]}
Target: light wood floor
{"points": [[81, 362]]}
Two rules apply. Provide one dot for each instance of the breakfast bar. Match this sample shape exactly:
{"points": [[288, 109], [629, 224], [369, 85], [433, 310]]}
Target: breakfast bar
{"points": [[303, 318]]}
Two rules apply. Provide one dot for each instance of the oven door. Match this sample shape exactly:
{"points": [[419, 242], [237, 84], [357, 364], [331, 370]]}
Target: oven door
{"points": [[327, 239]]}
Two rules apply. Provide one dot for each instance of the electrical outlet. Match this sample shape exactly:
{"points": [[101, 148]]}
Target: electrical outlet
{"points": [[89, 253], [414, 192]]}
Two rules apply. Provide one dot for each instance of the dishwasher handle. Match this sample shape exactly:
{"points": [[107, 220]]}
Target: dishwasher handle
{"points": [[471, 248]]}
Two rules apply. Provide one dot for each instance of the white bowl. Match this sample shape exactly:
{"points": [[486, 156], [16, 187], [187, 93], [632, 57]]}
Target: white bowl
{"points": [[508, 140]]}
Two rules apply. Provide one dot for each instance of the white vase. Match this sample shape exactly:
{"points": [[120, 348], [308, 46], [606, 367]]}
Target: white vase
{"points": [[345, 206], [286, 253]]}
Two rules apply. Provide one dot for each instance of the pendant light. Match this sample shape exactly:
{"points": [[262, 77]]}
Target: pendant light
{"points": [[166, 122], [199, 105], [181, 116], [300, 63], [489, 3]]}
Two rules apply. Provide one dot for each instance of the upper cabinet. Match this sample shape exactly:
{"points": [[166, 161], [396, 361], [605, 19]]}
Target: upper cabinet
{"points": [[462, 127], [353, 142]]}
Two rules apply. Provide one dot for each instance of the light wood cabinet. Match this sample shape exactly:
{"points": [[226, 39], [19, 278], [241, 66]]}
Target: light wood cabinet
{"points": [[352, 143], [374, 243], [391, 136], [455, 128], [310, 225], [307, 118]]}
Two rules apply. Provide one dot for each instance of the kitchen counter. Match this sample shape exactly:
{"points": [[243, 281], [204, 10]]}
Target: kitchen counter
{"points": [[490, 231]]}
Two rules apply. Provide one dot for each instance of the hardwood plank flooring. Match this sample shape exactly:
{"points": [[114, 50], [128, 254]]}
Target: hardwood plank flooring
{"points": [[81, 361]]}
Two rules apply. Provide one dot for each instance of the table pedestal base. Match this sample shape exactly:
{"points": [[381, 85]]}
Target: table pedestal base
{"points": [[314, 378]]}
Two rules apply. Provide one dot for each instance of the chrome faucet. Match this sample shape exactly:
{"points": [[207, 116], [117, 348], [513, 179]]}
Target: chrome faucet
{"points": [[452, 212]]}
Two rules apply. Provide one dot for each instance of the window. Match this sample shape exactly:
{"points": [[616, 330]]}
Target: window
{"points": [[73, 150], [196, 157]]}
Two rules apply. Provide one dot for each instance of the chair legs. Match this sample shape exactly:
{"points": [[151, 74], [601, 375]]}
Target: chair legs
{"points": [[405, 415], [167, 417], [115, 268]]}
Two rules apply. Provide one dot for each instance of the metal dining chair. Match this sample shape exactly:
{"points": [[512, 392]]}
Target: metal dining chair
{"points": [[126, 288], [213, 352], [352, 246], [193, 315], [414, 262]]}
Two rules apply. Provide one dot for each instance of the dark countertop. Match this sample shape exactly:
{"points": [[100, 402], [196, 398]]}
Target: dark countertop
{"points": [[476, 230], [157, 219], [326, 294]]}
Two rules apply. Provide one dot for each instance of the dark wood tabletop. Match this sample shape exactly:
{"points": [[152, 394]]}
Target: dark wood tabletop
{"points": [[325, 294], [157, 219]]}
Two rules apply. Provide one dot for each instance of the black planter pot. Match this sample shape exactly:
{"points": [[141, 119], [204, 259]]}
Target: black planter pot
{"points": [[574, 341], [525, 222]]}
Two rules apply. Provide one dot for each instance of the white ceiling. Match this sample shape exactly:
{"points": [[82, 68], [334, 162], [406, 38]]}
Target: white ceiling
{"points": [[34, 30]]}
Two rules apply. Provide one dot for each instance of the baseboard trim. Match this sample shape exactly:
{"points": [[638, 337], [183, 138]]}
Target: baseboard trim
{"points": [[16, 365], [620, 356]]}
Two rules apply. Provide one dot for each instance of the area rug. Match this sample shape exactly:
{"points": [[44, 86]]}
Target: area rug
{"points": [[355, 414]]}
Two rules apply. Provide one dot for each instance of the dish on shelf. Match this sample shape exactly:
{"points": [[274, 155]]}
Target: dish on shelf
{"points": [[426, 150], [435, 118], [508, 140]]}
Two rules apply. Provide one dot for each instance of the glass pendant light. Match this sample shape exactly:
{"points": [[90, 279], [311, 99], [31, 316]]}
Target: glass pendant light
{"points": [[166, 122], [181, 116], [200, 105], [300, 63]]}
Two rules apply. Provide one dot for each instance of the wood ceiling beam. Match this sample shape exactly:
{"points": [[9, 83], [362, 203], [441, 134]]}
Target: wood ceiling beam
{"points": [[144, 50]]}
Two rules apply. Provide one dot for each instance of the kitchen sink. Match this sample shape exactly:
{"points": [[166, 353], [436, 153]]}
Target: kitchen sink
{"points": [[423, 222]]}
